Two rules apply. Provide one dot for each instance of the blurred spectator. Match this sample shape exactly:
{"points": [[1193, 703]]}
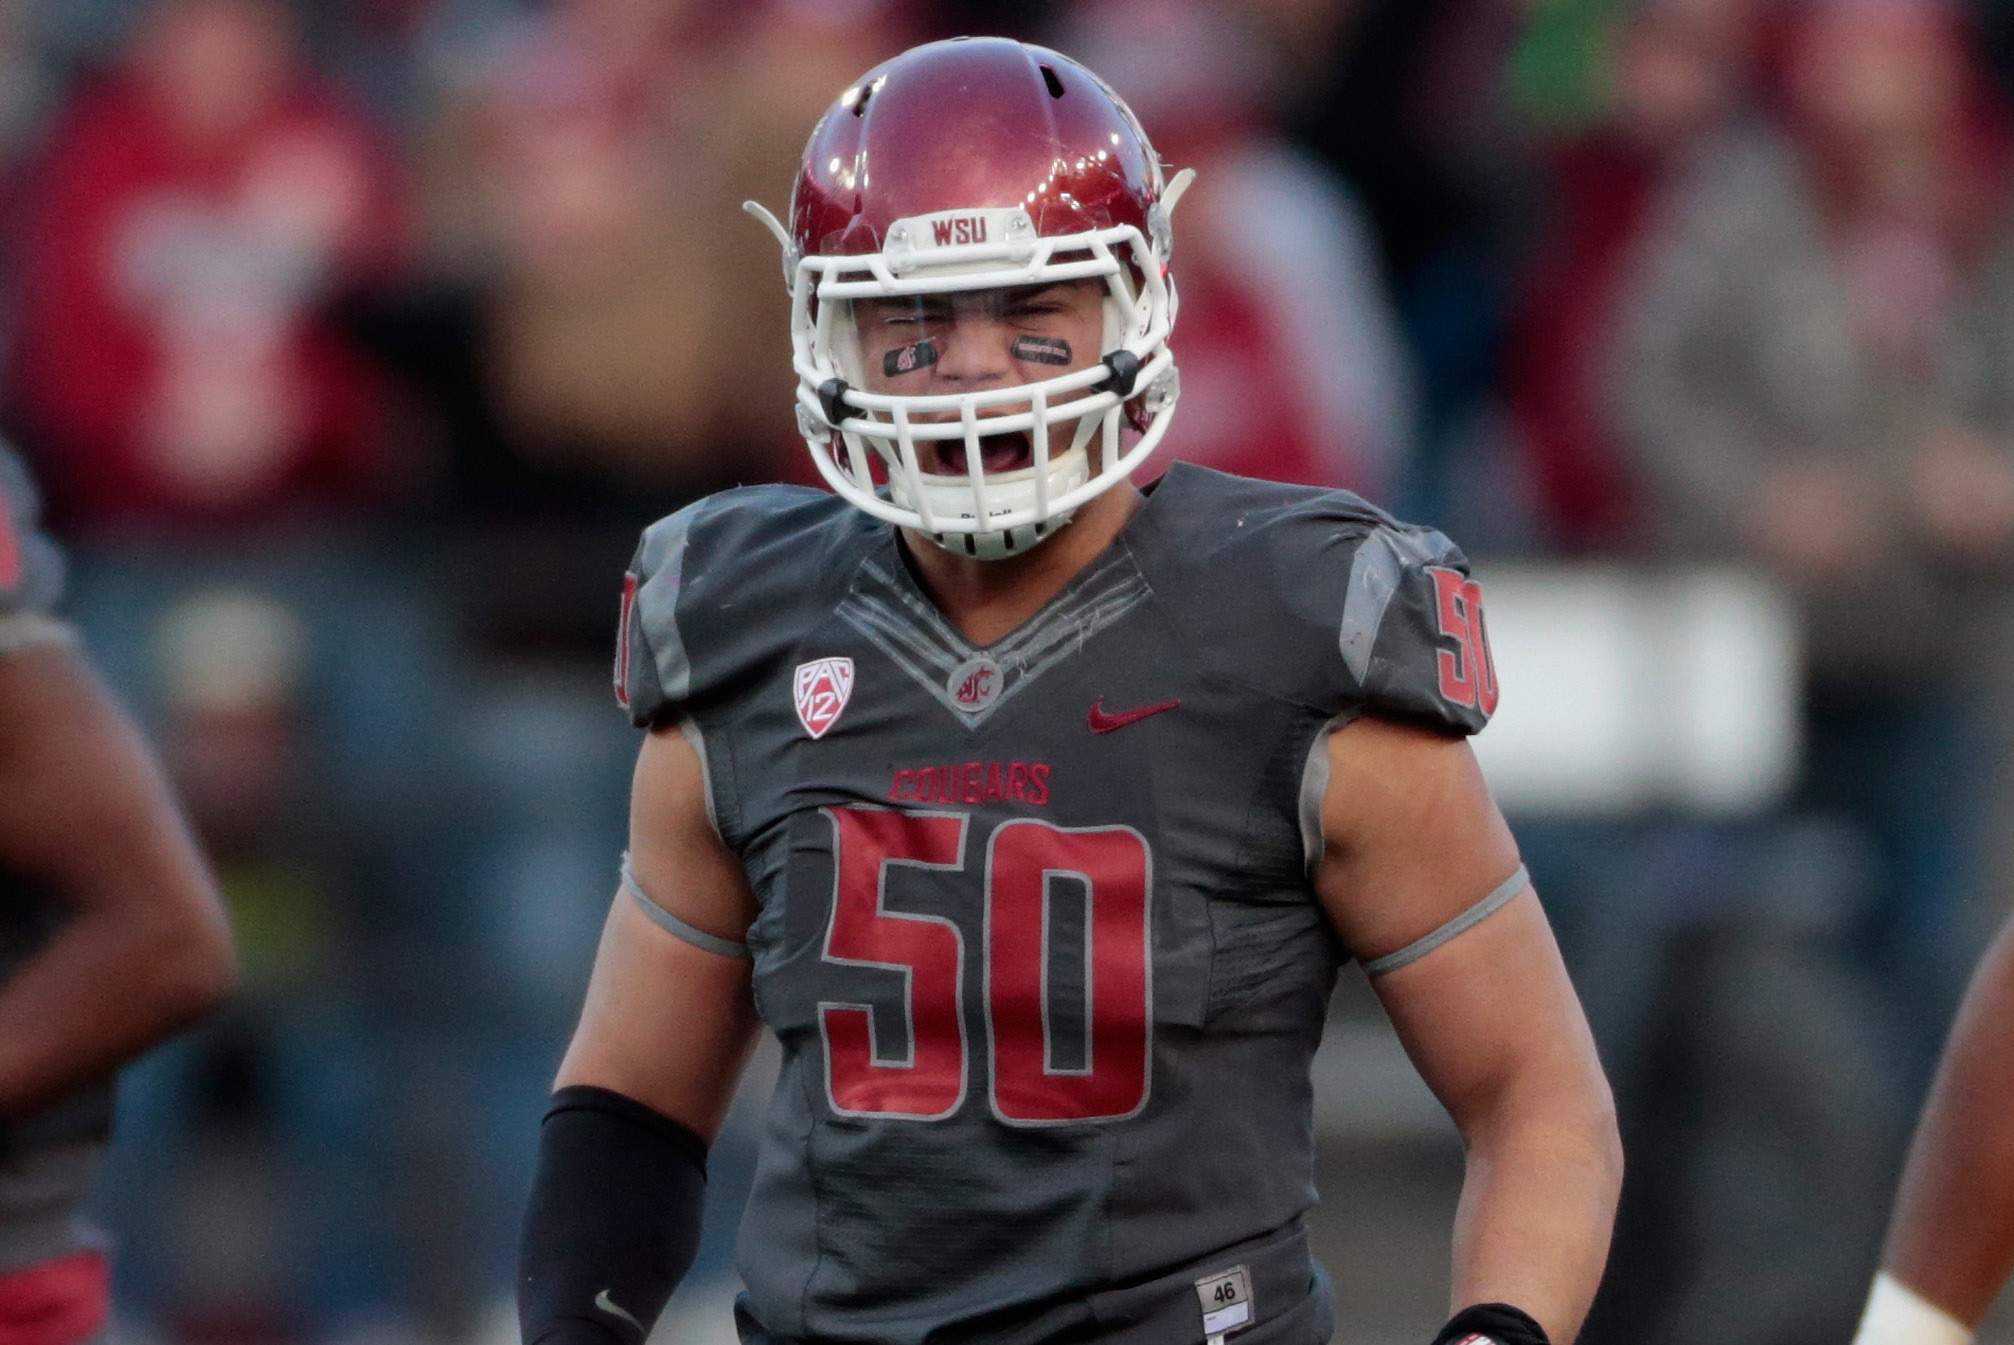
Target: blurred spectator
{"points": [[1798, 381], [269, 1123], [200, 210], [196, 210], [583, 162], [588, 185], [1793, 382], [1415, 110], [599, 333], [1681, 73], [218, 446], [1787, 378], [1292, 364], [789, 63], [26, 84]]}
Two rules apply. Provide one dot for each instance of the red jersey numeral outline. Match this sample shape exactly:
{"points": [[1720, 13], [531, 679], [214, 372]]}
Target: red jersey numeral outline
{"points": [[1022, 856], [1468, 672], [928, 1083], [1116, 868], [622, 641]]}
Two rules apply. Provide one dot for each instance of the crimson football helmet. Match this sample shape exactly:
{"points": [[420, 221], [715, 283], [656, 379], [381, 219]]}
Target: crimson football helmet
{"points": [[975, 164]]}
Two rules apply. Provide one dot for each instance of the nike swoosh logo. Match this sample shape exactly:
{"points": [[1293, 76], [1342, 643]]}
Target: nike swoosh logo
{"points": [[1107, 723], [608, 1305]]}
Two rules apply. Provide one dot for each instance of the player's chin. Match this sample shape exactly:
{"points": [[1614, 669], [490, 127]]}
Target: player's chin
{"points": [[998, 453]]}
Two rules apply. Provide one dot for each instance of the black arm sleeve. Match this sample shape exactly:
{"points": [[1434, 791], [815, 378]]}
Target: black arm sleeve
{"points": [[613, 1220]]}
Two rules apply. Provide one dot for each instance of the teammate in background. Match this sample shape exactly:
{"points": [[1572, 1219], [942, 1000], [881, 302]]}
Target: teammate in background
{"points": [[111, 936], [1035, 813], [1951, 1238]]}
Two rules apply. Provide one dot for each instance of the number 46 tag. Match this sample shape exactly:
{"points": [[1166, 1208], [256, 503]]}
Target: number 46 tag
{"points": [[1227, 1303]]}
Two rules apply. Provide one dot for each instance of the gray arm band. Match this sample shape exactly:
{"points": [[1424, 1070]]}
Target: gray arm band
{"points": [[671, 924], [1461, 924]]}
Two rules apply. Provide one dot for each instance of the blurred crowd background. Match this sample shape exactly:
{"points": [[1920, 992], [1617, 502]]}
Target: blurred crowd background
{"points": [[355, 340]]}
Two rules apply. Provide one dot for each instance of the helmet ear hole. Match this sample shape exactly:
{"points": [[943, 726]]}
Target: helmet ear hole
{"points": [[1055, 84]]}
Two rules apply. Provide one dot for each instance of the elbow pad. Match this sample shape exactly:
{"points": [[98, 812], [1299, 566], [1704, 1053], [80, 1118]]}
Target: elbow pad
{"points": [[612, 1224]]}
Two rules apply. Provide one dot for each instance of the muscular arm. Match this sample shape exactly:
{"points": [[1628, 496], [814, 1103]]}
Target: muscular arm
{"points": [[613, 1220], [666, 1023], [86, 817], [1951, 1238], [1411, 840]]}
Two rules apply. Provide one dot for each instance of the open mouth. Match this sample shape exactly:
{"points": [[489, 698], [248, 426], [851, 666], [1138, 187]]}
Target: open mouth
{"points": [[1008, 452]]}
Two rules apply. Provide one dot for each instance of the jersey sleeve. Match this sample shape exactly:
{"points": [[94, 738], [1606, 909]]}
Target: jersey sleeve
{"points": [[653, 676], [31, 568], [715, 597], [1410, 633]]}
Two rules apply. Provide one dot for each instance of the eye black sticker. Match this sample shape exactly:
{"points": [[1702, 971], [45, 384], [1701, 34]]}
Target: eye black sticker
{"points": [[908, 359], [1042, 349]]}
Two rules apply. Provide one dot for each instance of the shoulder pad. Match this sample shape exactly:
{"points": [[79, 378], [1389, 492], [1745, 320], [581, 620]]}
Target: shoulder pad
{"points": [[718, 590], [1319, 597]]}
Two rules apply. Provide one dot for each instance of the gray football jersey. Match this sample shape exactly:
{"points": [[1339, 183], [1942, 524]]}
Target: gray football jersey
{"points": [[46, 1160], [1037, 932]]}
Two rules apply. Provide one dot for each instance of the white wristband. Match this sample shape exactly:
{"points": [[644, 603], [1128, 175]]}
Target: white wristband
{"points": [[1898, 1315]]}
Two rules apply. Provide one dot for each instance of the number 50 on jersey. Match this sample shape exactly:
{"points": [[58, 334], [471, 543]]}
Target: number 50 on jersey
{"points": [[1064, 1043]]}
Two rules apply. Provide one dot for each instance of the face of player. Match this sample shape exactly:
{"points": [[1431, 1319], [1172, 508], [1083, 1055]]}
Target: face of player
{"points": [[978, 341]]}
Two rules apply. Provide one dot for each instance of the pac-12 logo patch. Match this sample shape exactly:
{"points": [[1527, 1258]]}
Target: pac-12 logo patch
{"points": [[822, 688]]}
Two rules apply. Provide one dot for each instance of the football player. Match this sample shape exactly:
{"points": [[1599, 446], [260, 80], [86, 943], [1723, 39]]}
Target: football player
{"points": [[111, 935], [1034, 813], [1951, 1238]]}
